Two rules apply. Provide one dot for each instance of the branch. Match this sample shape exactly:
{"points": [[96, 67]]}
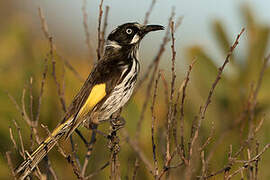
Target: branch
{"points": [[147, 14], [153, 128], [203, 109], [44, 28], [99, 33], [155, 64], [103, 32]]}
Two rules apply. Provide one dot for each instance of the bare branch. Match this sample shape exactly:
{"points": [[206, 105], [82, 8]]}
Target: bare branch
{"points": [[10, 165], [103, 32], [155, 64], [44, 75], [90, 146], [98, 171], [153, 127], [203, 165], [44, 28], [220, 70], [166, 40], [181, 149], [138, 151], [208, 139], [147, 14], [12, 139], [22, 152], [136, 167], [203, 109], [99, 33], [31, 98]]}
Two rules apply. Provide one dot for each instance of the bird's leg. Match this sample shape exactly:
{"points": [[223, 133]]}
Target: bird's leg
{"points": [[117, 123], [81, 136]]}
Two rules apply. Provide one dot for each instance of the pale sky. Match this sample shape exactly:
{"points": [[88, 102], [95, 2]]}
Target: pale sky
{"points": [[64, 18]]}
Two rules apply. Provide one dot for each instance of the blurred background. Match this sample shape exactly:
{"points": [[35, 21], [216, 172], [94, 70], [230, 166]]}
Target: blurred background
{"points": [[208, 29]]}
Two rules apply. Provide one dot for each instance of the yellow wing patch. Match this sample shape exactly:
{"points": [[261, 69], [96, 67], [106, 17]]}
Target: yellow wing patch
{"points": [[98, 92]]}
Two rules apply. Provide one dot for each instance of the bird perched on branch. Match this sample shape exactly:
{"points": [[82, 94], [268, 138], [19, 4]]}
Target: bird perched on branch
{"points": [[107, 89]]}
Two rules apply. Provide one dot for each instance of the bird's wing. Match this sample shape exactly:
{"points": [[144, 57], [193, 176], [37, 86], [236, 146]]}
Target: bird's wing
{"points": [[98, 92], [97, 87]]}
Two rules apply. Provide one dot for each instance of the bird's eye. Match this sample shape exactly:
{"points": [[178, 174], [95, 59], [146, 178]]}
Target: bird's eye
{"points": [[129, 31]]}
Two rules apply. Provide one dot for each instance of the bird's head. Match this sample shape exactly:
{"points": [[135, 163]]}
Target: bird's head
{"points": [[130, 34]]}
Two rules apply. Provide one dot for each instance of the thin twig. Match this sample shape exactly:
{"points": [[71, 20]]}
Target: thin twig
{"points": [[45, 30], [99, 27], [155, 64], [157, 58], [74, 152], [181, 149], [25, 116], [203, 165], [60, 91], [254, 97], [69, 158], [245, 163], [170, 113], [12, 139], [166, 89], [138, 151], [208, 100], [220, 70], [249, 108], [22, 152], [167, 165], [89, 152], [10, 165], [147, 14], [208, 140], [31, 98], [103, 32], [44, 75], [264, 66], [232, 160], [98, 171], [153, 127], [257, 161], [136, 167]]}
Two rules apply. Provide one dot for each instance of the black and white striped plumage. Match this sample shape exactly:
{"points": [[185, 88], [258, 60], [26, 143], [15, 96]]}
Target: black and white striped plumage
{"points": [[122, 91], [108, 87]]}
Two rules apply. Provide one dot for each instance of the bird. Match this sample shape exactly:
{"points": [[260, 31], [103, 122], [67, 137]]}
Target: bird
{"points": [[107, 89]]}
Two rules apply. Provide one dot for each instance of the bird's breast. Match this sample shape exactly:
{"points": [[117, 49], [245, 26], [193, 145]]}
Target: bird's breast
{"points": [[122, 92]]}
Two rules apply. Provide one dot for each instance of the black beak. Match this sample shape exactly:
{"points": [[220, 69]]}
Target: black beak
{"points": [[150, 28]]}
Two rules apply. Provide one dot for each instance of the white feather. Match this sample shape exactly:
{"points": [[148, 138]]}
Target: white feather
{"points": [[135, 39], [113, 44]]}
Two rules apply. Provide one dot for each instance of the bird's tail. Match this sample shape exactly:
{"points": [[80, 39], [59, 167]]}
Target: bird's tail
{"points": [[26, 167]]}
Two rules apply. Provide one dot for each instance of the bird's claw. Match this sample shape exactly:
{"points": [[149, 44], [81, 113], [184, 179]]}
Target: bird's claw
{"points": [[117, 123]]}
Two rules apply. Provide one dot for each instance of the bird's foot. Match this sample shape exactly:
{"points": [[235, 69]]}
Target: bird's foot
{"points": [[117, 123]]}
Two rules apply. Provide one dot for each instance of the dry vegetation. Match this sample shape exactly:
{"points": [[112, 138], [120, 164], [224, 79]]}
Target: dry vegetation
{"points": [[179, 152]]}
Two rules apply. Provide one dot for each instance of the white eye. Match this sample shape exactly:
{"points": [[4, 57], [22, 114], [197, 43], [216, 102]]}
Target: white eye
{"points": [[129, 31]]}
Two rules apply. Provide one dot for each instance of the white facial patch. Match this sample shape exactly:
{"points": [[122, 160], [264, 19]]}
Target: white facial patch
{"points": [[138, 25], [135, 39], [113, 44]]}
